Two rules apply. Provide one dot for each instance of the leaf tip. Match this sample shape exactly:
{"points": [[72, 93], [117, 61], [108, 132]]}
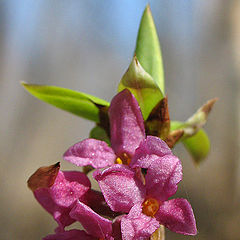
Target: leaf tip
{"points": [[148, 9], [206, 108], [24, 84], [135, 59]]}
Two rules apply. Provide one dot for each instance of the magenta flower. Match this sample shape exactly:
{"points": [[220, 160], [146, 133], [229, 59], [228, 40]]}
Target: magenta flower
{"points": [[59, 199], [94, 224], [126, 129], [147, 201], [73, 234], [96, 227], [69, 187], [137, 225]]}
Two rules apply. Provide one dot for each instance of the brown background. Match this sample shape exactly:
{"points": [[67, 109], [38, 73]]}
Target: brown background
{"points": [[87, 46]]}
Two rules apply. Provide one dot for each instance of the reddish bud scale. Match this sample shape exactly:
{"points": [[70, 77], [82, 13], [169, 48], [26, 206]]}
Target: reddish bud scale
{"points": [[44, 177]]}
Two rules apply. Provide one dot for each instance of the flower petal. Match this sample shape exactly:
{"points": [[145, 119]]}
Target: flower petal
{"points": [[58, 199], [137, 226], [149, 149], [68, 187], [95, 200], [117, 234], [126, 123], [162, 177], [120, 187], [90, 152], [177, 215], [70, 235], [93, 223]]}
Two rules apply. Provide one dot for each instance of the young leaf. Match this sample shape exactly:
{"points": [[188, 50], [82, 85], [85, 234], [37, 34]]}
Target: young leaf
{"points": [[198, 119], [148, 49], [80, 104], [198, 145], [142, 86], [175, 125]]}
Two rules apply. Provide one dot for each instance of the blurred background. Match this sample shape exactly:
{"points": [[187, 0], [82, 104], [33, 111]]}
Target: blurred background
{"points": [[87, 45]]}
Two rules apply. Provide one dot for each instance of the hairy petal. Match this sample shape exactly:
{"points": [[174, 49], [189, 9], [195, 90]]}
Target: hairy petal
{"points": [[177, 215], [162, 177], [137, 226], [120, 187], [90, 152], [70, 185], [126, 123], [58, 199], [93, 223], [149, 150], [70, 235]]}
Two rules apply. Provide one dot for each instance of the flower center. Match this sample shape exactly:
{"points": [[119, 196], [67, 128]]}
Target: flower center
{"points": [[150, 207], [124, 159]]}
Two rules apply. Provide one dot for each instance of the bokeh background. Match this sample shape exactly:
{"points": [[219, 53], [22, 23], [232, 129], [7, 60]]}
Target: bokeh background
{"points": [[87, 45]]}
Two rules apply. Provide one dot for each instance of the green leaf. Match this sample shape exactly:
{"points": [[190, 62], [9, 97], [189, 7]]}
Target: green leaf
{"points": [[176, 125], [195, 138], [142, 86], [148, 49], [197, 145], [80, 104]]}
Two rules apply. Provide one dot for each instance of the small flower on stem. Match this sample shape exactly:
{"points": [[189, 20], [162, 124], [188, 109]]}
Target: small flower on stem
{"points": [[126, 130], [58, 196], [73, 234], [164, 172]]}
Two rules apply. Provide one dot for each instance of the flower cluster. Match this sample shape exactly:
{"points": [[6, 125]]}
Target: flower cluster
{"points": [[137, 175]]}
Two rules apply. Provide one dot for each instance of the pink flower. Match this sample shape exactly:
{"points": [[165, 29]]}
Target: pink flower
{"points": [[93, 223], [68, 188], [127, 131], [147, 201], [70, 235], [96, 227], [59, 199], [65, 195]]}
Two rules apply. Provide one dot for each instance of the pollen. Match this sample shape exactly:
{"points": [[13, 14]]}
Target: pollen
{"points": [[126, 158], [119, 161], [123, 159], [150, 207]]}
